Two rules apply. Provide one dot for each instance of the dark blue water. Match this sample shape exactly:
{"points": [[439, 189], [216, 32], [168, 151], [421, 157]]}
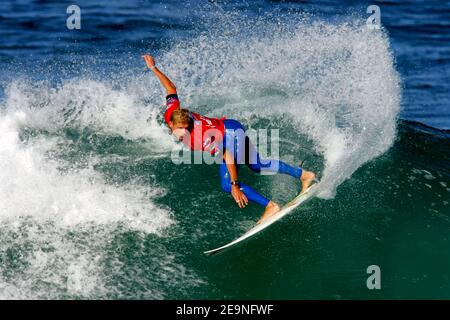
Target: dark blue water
{"points": [[113, 33]]}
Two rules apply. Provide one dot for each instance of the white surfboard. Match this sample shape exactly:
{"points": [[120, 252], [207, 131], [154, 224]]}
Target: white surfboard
{"points": [[291, 205]]}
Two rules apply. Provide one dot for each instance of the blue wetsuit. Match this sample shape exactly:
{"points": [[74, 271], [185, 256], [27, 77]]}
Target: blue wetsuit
{"points": [[244, 152]]}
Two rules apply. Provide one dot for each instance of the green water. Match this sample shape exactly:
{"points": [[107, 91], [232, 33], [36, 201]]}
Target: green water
{"points": [[393, 212]]}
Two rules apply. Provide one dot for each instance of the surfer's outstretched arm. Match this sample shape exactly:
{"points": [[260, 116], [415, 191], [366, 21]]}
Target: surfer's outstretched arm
{"points": [[165, 81]]}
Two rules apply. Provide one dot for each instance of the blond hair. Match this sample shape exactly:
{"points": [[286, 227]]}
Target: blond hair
{"points": [[180, 116]]}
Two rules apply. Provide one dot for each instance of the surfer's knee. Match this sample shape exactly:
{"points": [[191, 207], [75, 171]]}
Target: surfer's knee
{"points": [[267, 165], [254, 167]]}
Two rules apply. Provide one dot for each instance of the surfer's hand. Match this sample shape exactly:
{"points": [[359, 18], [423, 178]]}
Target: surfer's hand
{"points": [[149, 60], [239, 196]]}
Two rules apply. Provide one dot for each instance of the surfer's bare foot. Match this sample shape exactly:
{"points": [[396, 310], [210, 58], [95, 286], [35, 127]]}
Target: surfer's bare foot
{"points": [[271, 209], [307, 179]]}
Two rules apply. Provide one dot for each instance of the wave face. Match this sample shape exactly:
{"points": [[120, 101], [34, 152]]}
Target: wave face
{"points": [[91, 205], [61, 210]]}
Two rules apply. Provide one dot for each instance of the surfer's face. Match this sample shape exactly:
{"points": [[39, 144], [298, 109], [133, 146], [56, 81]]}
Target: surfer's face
{"points": [[180, 130]]}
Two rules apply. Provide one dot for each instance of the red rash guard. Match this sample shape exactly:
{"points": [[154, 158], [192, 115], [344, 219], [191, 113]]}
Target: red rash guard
{"points": [[206, 134]]}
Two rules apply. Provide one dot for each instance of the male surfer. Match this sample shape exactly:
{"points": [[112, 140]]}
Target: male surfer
{"points": [[222, 137]]}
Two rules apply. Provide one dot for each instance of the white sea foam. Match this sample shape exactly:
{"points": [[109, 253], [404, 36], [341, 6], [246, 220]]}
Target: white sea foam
{"points": [[82, 103], [40, 206], [336, 82]]}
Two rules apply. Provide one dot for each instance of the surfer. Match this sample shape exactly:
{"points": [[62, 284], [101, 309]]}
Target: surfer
{"points": [[225, 137]]}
